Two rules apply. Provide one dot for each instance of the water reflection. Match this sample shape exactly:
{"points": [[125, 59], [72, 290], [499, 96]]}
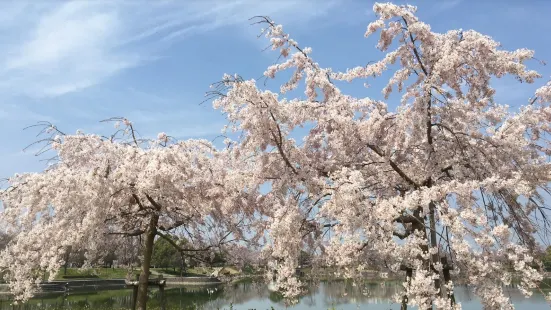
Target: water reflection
{"points": [[255, 295]]}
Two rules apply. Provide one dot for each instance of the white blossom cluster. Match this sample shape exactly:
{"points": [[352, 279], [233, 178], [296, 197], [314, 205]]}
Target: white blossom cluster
{"points": [[103, 190], [445, 188]]}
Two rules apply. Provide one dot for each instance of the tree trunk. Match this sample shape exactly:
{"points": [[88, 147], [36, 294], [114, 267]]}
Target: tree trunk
{"points": [[419, 225], [182, 262], [67, 256], [146, 263], [448, 279], [433, 243], [409, 274]]}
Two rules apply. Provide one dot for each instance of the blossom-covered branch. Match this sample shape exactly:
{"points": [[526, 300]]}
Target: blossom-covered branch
{"points": [[447, 187], [102, 189]]}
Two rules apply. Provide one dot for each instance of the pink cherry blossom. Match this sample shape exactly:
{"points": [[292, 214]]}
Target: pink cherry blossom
{"points": [[448, 187], [103, 190]]}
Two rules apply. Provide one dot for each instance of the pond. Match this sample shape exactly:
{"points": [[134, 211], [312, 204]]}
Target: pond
{"points": [[254, 295]]}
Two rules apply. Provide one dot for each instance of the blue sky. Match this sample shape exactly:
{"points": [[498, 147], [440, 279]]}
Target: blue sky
{"points": [[76, 63]]}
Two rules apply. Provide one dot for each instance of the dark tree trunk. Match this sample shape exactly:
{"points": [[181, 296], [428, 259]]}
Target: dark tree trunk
{"points": [[433, 242], [409, 274], [448, 279], [67, 255], [146, 263]]}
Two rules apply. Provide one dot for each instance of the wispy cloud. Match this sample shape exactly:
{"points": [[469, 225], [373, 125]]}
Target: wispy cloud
{"points": [[187, 132], [444, 5], [61, 49], [67, 48], [53, 48], [20, 113], [144, 117]]}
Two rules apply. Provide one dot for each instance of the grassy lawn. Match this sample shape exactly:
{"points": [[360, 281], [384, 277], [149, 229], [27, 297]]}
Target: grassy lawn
{"points": [[194, 272], [176, 272], [94, 273], [201, 270], [209, 270], [120, 273]]}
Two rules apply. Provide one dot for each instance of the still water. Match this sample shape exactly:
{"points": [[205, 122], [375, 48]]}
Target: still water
{"points": [[252, 295]]}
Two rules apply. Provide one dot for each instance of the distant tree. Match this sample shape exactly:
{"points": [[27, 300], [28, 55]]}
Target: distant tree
{"points": [[77, 258], [4, 239], [218, 259], [127, 251], [165, 255], [109, 258], [547, 259], [305, 258], [245, 257]]}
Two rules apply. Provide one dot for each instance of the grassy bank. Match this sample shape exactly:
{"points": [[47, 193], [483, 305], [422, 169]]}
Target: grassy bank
{"points": [[190, 272], [94, 273], [120, 273]]}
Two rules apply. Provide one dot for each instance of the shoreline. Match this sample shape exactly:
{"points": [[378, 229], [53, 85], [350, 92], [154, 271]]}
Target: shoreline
{"points": [[74, 285]]}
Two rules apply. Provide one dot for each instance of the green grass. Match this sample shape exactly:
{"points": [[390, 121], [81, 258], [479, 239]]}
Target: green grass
{"points": [[172, 272], [120, 273], [199, 270], [94, 273], [209, 270]]}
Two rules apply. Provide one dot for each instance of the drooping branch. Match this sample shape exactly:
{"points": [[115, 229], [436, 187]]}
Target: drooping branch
{"points": [[129, 233], [394, 166], [191, 253], [279, 144], [157, 206]]}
